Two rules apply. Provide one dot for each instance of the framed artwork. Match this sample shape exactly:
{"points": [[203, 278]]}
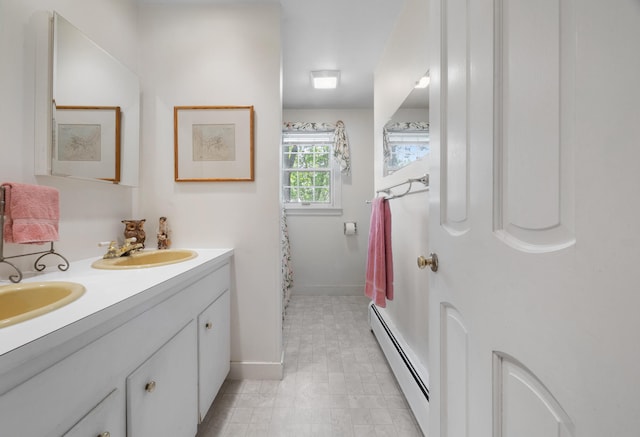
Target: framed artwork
{"points": [[86, 142], [213, 143]]}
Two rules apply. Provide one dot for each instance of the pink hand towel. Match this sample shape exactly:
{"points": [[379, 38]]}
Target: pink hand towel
{"points": [[379, 276], [32, 213]]}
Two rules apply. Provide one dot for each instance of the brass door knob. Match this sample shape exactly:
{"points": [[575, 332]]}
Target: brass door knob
{"points": [[150, 387], [431, 261]]}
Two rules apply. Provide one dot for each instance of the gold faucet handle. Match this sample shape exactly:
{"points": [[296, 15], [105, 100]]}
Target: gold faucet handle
{"points": [[111, 251], [113, 246]]}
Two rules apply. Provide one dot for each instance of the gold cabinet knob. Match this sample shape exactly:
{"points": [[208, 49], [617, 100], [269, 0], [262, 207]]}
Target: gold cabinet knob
{"points": [[105, 434], [208, 325], [431, 261], [150, 387]]}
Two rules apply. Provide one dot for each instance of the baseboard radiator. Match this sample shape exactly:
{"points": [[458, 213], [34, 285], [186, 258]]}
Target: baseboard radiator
{"points": [[412, 377]]}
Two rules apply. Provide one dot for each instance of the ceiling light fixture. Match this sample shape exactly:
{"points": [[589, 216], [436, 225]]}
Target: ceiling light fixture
{"points": [[325, 79], [423, 82]]}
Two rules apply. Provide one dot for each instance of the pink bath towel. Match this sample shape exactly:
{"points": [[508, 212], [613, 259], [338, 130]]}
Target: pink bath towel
{"points": [[32, 213], [379, 277]]}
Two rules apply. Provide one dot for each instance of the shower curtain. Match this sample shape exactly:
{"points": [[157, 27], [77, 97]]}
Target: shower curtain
{"points": [[287, 269]]}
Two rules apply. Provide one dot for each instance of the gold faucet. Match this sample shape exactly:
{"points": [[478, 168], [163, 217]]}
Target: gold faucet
{"points": [[127, 248]]}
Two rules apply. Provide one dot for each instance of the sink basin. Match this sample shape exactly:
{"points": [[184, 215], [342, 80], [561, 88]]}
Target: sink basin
{"points": [[141, 260], [20, 302]]}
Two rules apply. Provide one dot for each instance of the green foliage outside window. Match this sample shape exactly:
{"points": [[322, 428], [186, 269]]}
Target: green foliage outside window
{"points": [[307, 173]]}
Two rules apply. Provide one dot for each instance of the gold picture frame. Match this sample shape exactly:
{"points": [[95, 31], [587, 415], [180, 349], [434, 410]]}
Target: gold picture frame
{"points": [[86, 142], [213, 143]]}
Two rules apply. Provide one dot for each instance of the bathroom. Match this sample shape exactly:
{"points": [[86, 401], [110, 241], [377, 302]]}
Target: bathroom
{"points": [[246, 216], [236, 215]]}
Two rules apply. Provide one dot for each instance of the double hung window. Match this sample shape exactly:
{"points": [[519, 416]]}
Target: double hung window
{"points": [[311, 177]]}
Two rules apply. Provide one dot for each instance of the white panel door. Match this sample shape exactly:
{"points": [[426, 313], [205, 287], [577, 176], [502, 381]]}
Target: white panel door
{"points": [[535, 218]]}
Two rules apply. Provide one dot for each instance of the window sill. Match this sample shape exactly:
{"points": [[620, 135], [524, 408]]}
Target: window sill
{"points": [[312, 210]]}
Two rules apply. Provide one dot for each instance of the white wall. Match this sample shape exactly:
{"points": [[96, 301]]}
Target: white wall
{"points": [[184, 65], [325, 261], [84, 221], [404, 61], [220, 55], [411, 114]]}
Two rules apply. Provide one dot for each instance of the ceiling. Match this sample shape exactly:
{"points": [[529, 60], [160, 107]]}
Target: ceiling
{"points": [[345, 35]]}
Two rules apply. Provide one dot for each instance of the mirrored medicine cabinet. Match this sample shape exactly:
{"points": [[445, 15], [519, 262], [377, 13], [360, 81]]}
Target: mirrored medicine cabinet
{"points": [[406, 134], [95, 111]]}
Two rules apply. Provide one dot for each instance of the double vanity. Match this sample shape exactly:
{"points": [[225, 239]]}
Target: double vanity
{"points": [[142, 352]]}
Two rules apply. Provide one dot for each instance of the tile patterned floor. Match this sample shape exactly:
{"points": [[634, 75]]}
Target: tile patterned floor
{"points": [[336, 381]]}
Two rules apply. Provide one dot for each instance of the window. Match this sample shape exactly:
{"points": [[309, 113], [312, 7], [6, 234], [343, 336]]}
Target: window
{"points": [[311, 177], [404, 148]]}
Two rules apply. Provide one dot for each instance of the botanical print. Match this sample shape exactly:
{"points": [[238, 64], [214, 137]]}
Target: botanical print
{"points": [[214, 142], [307, 126], [79, 142], [341, 150]]}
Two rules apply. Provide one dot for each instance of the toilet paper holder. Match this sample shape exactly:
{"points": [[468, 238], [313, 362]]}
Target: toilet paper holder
{"points": [[350, 228]]}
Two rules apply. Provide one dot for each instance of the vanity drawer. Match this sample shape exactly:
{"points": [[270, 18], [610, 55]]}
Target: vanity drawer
{"points": [[59, 398], [106, 419]]}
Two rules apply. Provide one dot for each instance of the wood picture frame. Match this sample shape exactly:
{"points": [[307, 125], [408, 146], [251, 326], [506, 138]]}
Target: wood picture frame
{"points": [[86, 142], [213, 143]]}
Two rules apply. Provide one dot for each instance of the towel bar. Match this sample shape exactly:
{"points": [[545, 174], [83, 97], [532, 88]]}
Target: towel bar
{"points": [[424, 180]]}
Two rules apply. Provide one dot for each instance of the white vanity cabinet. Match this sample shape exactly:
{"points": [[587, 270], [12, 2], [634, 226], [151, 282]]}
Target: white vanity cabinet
{"points": [[150, 370]]}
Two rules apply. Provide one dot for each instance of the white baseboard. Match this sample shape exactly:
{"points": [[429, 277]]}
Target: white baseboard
{"points": [[256, 370], [328, 290]]}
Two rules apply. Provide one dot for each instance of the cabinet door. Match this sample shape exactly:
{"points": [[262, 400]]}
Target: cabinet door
{"points": [[63, 395], [162, 392], [214, 354], [106, 419]]}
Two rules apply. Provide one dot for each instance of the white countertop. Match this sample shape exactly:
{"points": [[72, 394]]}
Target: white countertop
{"points": [[104, 289]]}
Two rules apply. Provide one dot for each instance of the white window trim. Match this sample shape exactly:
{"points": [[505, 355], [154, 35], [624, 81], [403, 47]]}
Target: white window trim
{"points": [[333, 208]]}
